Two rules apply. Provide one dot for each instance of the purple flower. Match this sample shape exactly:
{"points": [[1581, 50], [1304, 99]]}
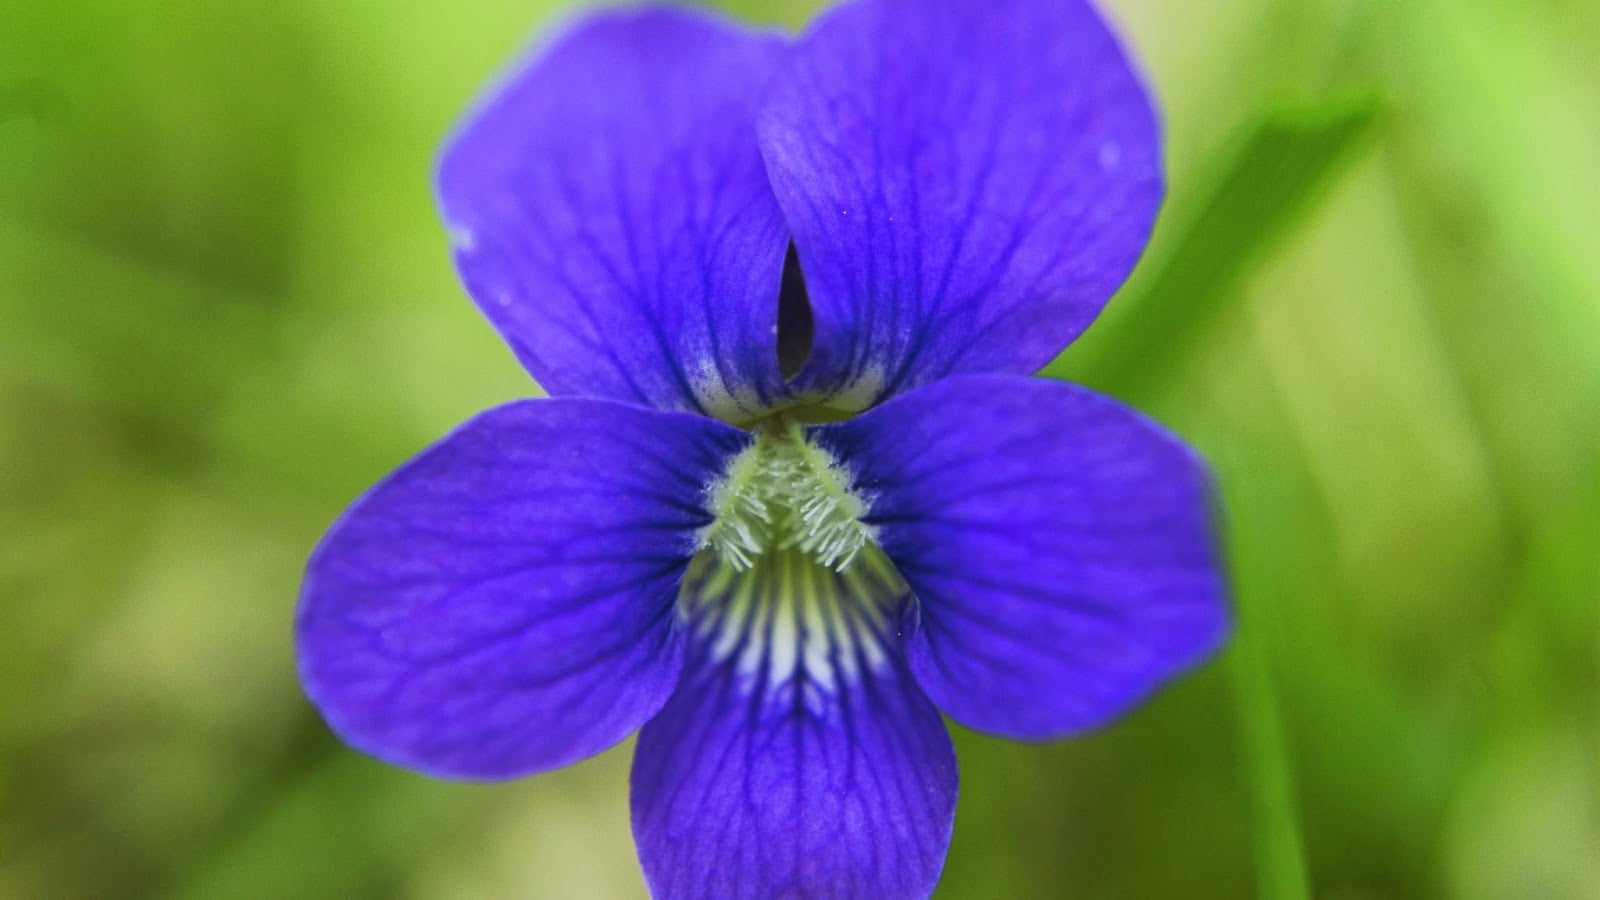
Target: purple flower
{"points": [[715, 247]]}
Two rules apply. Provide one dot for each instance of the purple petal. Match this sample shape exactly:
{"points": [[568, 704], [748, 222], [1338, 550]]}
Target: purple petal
{"points": [[795, 762], [1059, 546], [967, 182], [502, 604], [612, 214]]}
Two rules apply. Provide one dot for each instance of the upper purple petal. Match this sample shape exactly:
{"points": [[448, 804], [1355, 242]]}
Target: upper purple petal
{"points": [[502, 604], [967, 182], [612, 216], [1059, 546]]}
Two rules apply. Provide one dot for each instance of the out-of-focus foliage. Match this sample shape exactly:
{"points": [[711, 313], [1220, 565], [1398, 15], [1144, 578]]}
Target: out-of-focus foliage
{"points": [[1374, 302]]}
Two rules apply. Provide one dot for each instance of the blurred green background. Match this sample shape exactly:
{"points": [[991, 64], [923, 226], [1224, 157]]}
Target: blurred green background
{"points": [[1374, 302]]}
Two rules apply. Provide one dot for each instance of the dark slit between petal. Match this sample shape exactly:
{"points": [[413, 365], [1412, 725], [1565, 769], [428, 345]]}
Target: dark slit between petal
{"points": [[795, 328]]}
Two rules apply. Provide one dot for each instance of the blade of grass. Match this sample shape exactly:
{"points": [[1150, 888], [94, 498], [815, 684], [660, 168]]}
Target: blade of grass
{"points": [[1276, 833], [1274, 178]]}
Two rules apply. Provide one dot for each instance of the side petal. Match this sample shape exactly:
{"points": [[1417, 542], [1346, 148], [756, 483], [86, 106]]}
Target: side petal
{"points": [[967, 182], [612, 217], [798, 757], [502, 604], [1058, 544]]}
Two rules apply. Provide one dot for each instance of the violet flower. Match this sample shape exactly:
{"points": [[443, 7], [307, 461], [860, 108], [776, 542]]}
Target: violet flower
{"points": [[793, 496]]}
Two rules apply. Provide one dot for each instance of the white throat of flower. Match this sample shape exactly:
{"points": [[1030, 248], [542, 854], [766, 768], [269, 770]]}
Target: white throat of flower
{"points": [[789, 585]]}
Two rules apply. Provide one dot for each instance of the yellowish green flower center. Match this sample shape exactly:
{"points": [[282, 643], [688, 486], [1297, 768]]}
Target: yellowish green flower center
{"points": [[784, 493]]}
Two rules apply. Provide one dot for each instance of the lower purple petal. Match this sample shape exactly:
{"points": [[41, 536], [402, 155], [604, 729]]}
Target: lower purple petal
{"points": [[1059, 546], [502, 604], [804, 776]]}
